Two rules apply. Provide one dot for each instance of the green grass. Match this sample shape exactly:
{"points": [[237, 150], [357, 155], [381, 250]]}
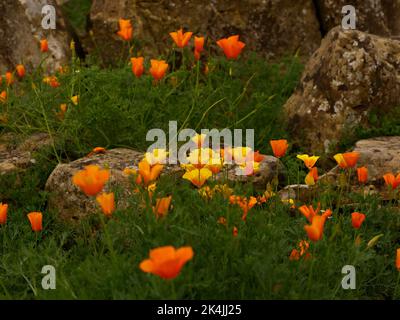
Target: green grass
{"points": [[101, 262]]}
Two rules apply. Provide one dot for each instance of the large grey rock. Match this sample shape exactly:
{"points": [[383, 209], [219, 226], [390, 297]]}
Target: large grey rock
{"points": [[350, 74]]}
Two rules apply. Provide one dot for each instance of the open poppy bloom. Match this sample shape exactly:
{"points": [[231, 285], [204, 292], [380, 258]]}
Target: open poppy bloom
{"points": [[309, 161], [357, 219], [362, 174], [51, 81], [3, 213], [107, 203], [248, 168], [232, 46], [316, 229], [162, 206], [44, 45], [166, 262], [199, 139], [309, 212], [312, 177], [148, 173], [279, 147], [137, 66], [347, 160], [156, 156], [244, 203], [199, 158], [3, 96], [398, 259], [158, 69], [125, 29], [392, 180], [198, 176], [35, 218], [181, 39], [91, 179], [20, 69]]}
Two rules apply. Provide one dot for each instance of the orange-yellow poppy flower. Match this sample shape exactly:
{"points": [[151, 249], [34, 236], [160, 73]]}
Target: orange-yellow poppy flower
{"points": [[52, 81], [279, 147], [20, 69], [199, 139], [162, 206], [35, 218], [106, 202], [44, 45], [166, 262], [3, 213], [312, 176], [398, 259], [137, 66], [156, 156], [75, 99], [357, 219], [181, 39], [347, 160], [125, 29], [148, 173], [392, 180], [158, 69], [231, 46], [362, 174], [3, 96], [198, 176], [309, 161], [91, 179]]}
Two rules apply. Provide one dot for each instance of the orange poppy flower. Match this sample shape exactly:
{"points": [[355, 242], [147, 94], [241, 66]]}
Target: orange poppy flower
{"points": [[244, 203], [357, 219], [279, 147], [20, 70], [137, 66], [148, 173], [52, 81], [9, 78], [316, 229], [158, 69], [309, 212], [125, 29], [162, 206], [391, 180], [97, 150], [35, 218], [3, 96], [91, 179], [398, 259], [63, 110], [44, 45], [235, 231], [198, 47], [232, 46], [347, 160], [166, 262], [3, 213], [181, 39], [107, 203], [296, 254], [362, 174]]}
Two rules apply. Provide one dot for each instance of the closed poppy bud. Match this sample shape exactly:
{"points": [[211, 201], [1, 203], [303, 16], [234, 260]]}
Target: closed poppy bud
{"points": [[75, 100], [199, 44], [44, 46], [181, 39], [3, 213], [362, 174], [166, 262], [162, 206], [35, 218], [279, 147], [20, 70], [9, 78], [3, 96], [137, 66], [158, 69], [398, 259], [231, 46], [107, 203], [235, 231], [357, 219]]}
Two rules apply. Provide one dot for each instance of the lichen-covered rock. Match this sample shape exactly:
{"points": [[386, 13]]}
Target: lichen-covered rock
{"points": [[71, 203], [273, 27], [349, 75], [21, 31], [380, 17], [17, 155]]}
